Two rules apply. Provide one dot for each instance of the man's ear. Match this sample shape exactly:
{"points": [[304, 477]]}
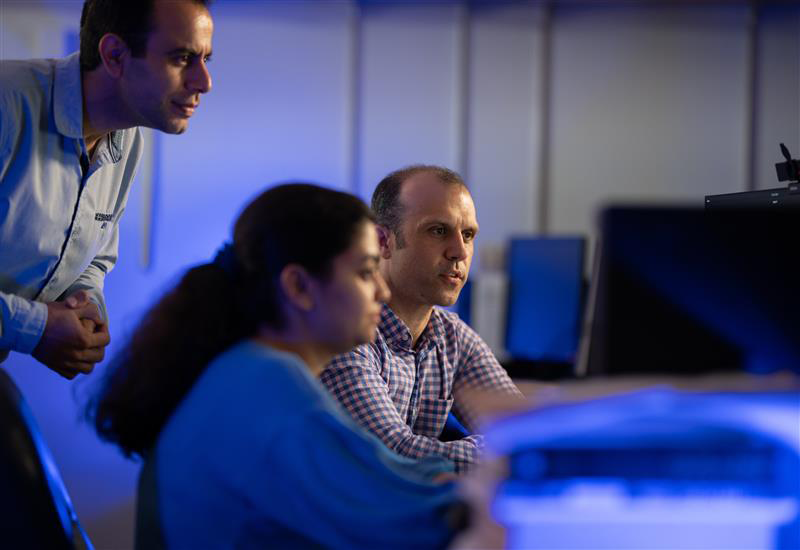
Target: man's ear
{"points": [[113, 51], [385, 237], [296, 284]]}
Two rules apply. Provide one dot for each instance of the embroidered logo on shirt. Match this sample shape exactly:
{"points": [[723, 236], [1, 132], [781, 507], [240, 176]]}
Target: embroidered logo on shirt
{"points": [[103, 217]]}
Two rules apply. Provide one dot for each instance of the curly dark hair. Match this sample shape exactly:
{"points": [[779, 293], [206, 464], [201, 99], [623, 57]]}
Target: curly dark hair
{"points": [[294, 223]]}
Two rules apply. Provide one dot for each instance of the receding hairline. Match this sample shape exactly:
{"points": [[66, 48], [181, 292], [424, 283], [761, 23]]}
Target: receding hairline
{"points": [[387, 202], [444, 175], [440, 177]]}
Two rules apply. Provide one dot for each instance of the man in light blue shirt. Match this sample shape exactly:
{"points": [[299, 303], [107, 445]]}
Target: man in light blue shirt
{"points": [[69, 148]]}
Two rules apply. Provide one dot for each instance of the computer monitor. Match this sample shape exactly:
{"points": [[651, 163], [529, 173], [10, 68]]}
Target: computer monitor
{"points": [[687, 291], [545, 281]]}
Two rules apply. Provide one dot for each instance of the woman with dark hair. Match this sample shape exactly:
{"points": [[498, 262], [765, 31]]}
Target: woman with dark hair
{"points": [[217, 392]]}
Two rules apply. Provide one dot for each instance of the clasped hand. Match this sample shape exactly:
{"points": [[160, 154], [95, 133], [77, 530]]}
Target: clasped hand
{"points": [[74, 337]]}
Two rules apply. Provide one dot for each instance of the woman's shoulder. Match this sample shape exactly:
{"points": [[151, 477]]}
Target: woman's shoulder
{"points": [[254, 372]]}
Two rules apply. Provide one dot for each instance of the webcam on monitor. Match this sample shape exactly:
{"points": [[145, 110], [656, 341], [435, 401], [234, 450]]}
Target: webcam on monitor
{"points": [[766, 198], [789, 170]]}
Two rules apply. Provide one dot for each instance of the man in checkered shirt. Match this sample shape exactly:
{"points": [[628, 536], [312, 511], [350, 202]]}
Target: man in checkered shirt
{"points": [[402, 386]]}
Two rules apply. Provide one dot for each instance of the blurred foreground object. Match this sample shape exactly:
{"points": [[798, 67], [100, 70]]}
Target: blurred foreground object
{"points": [[696, 463], [35, 508]]}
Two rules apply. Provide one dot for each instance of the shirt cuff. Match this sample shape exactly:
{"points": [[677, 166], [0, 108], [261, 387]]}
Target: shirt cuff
{"points": [[23, 324], [101, 307]]}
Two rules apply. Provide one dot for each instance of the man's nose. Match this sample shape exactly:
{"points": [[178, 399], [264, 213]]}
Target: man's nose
{"points": [[200, 78], [457, 249], [382, 292]]}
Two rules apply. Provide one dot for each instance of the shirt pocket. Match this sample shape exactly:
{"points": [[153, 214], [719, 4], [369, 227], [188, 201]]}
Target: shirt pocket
{"points": [[432, 416]]}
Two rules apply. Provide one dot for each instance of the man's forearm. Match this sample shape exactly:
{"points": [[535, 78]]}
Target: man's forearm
{"points": [[21, 324], [464, 452]]}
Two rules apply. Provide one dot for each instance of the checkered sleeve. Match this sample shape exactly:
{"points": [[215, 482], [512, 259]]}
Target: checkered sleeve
{"points": [[477, 368], [354, 379]]}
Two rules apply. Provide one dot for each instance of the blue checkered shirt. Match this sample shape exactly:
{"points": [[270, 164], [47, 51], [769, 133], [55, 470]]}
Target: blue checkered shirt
{"points": [[404, 395]]}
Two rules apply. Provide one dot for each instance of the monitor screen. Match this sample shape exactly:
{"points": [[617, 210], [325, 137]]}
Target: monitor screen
{"points": [[686, 291], [545, 279]]}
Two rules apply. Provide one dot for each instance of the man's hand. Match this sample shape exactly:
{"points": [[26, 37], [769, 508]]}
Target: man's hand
{"points": [[479, 489], [77, 300], [74, 338], [444, 477]]}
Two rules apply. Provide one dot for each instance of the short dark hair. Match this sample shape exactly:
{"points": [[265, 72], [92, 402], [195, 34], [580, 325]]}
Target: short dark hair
{"points": [[131, 20], [386, 198]]}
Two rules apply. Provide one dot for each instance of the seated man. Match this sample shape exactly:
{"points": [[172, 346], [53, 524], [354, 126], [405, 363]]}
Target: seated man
{"points": [[403, 385]]}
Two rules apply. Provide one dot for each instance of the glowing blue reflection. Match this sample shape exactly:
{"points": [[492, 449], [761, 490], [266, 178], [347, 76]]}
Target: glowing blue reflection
{"points": [[653, 469]]}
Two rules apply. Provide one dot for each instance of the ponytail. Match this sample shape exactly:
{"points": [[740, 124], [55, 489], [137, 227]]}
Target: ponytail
{"points": [[218, 304], [169, 350]]}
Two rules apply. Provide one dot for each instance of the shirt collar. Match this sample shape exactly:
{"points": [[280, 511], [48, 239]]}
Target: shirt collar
{"points": [[68, 105], [397, 334], [68, 97], [435, 329]]}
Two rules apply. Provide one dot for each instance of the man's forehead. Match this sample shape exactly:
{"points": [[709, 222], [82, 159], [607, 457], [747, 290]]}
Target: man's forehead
{"points": [[183, 20], [426, 194]]}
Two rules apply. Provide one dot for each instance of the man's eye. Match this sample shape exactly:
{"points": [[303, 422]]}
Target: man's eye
{"points": [[468, 235], [367, 274], [438, 230]]}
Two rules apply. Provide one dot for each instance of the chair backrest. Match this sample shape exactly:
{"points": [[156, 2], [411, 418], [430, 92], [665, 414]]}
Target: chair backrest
{"points": [[35, 509], [149, 534]]}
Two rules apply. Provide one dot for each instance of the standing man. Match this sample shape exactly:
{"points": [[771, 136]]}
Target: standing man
{"points": [[69, 148], [403, 386]]}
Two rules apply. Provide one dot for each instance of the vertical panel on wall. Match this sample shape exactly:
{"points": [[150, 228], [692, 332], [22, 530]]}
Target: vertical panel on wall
{"points": [[462, 93], [409, 78], [545, 116], [504, 118], [354, 92], [648, 104], [778, 104], [751, 90]]}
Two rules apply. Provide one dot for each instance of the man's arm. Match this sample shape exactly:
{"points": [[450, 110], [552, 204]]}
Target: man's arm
{"points": [[21, 324], [86, 290], [479, 369], [355, 380], [92, 279]]}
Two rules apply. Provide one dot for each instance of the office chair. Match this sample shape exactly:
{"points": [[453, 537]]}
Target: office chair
{"points": [[35, 509]]}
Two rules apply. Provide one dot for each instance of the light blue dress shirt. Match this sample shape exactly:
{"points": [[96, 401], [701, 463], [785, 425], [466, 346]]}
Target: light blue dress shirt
{"points": [[59, 210]]}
